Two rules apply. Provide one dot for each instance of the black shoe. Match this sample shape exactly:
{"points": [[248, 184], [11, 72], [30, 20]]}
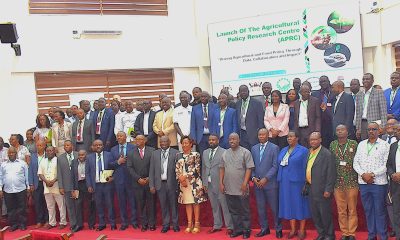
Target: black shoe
{"points": [[246, 234], [374, 238], [72, 227], [152, 228], [177, 229], [123, 227], [100, 228], [263, 232], [235, 234], [279, 234], [113, 227], [164, 229], [144, 228], [22, 227], [392, 234], [351, 238], [320, 238], [13, 228], [91, 227], [77, 229], [135, 226]]}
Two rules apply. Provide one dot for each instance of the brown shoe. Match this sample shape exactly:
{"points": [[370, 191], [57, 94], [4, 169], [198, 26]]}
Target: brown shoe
{"points": [[39, 225], [48, 226], [214, 230], [229, 232], [301, 236], [62, 226]]}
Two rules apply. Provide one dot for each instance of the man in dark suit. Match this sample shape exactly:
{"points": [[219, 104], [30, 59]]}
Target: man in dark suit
{"points": [[82, 135], [36, 185], [81, 194], [201, 120], [320, 180], [326, 99], [104, 122], [96, 163], [123, 181], [250, 116], [392, 96], [224, 121], [65, 183], [265, 99], [210, 176], [265, 157], [138, 164], [343, 108], [140, 124], [162, 178], [85, 105], [307, 115]]}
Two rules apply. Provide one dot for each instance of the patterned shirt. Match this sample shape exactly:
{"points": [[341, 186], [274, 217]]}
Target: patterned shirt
{"points": [[344, 155]]}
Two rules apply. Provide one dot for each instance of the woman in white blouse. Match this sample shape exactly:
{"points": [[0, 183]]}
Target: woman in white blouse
{"points": [[61, 132], [43, 129], [276, 120], [23, 154]]}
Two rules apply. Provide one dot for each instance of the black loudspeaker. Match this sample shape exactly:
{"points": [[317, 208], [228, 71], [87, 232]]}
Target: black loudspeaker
{"points": [[8, 33]]}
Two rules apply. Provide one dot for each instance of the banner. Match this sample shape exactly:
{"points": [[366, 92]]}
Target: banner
{"points": [[279, 47]]}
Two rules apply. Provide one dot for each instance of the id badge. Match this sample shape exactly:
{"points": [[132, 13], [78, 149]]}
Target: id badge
{"points": [[219, 124], [329, 104], [82, 175], [343, 163]]}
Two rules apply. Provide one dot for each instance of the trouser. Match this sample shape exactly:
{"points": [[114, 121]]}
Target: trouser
{"points": [[16, 206], [395, 190], [51, 200], [104, 200], [346, 202], [71, 210], [84, 196], [281, 142], [364, 131], [203, 144], [239, 207], [146, 204], [218, 202], [304, 134], [169, 202], [42, 215], [269, 196], [321, 213], [126, 196], [244, 140], [373, 200]]}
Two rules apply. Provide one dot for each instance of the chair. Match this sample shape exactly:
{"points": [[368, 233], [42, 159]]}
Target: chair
{"points": [[2, 232], [102, 237]]}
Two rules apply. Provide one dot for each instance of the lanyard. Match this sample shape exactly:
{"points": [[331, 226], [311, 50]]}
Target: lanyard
{"points": [[393, 95], [49, 163], [369, 149], [344, 151]]}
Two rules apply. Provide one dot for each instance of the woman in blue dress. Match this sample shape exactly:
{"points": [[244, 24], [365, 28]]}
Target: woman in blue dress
{"points": [[293, 206]]}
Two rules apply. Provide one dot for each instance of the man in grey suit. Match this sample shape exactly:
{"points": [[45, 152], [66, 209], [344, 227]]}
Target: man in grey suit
{"points": [[307, 115], [82, 135], [162, 178], [342, 109], [371, 107], [265, 157], [210, 177], [265, 99], [65, 183], [321, 179]]}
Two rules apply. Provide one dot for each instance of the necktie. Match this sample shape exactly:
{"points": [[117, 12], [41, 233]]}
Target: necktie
{"points": [[69, 159], [205, 116], [99, 165], [121, 151], [98, 124], [262, 148], [354, 98], [163, 153], [266, 103], [79, 135], [212, 155], [389, 139], [141, 153]]}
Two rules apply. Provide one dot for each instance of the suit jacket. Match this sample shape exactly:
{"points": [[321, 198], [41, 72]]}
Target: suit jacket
{"points": [[155, 170], [138, 167], [211, 168], [121, 174], [323, 174], [151, 137], [90, 168], [268, 166], [297, 164], [254, 118], [393, 108], [377, 109], [280, 121], [326, 116], [229, 125], [344, 112], [74, 172], [169, 128], [391, 166], [107, 125], [67, 131], [64, 177], [197, 121], [32, 171], [88, 134], [313, 112]]}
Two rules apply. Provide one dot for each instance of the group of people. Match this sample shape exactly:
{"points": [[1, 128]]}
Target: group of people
{"points": [[299, 156]]}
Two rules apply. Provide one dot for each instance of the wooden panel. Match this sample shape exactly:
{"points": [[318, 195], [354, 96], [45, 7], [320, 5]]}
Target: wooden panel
{"points": [[133, 12], [52, 98], [137, 1], [130, 6]]}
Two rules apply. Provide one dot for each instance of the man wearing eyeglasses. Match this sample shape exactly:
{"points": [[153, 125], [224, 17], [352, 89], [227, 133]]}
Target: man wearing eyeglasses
{"points": [[370, 164]]}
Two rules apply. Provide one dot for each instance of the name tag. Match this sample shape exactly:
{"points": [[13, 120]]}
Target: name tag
{"points": [[83, 175], [219, 124], [244, 115], [329, 104], [342, 163], [205, 119]]}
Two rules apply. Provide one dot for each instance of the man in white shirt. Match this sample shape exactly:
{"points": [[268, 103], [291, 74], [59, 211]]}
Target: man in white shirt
{"points": [[127, 123], [47, 172], [182, 116], [370, 164], [3, 151]]}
